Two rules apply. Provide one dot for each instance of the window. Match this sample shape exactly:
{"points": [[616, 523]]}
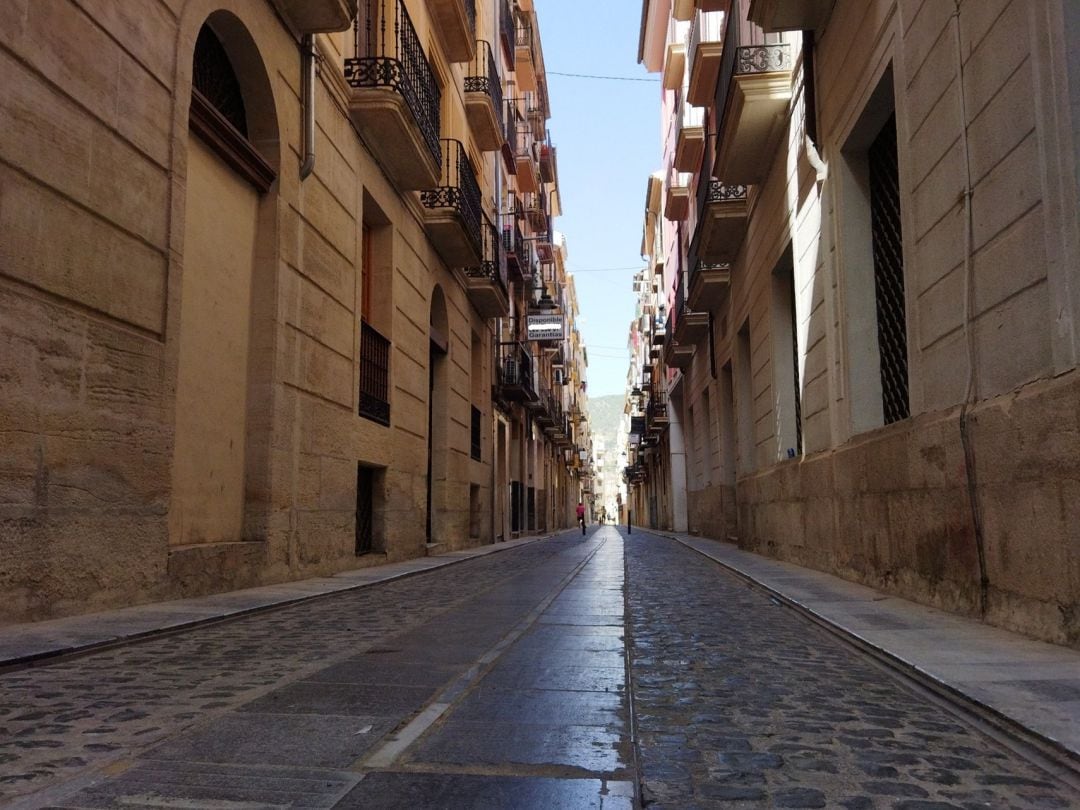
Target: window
{"points": [[872, 261], [787, 401], [888, 251]]}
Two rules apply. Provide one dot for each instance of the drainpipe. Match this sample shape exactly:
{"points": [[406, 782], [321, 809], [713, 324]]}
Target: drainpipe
{"points": [[307, 102]]}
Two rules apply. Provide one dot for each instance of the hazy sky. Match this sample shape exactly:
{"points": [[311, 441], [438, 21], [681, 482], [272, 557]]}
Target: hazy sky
{"points": [[608, 139]]}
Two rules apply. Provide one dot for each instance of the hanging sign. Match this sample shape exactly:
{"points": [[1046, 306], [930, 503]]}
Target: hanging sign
{"points": [[546, 327]]}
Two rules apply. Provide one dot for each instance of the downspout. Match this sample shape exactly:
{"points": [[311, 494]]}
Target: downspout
{"points": [[308, 63]]}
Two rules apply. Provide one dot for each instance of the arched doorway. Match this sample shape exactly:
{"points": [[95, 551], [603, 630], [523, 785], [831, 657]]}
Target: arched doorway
{"points": [[439, 348], [231, 146]]}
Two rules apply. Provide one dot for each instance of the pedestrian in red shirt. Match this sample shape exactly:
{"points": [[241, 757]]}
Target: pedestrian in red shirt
{"points": [[581, 516]]}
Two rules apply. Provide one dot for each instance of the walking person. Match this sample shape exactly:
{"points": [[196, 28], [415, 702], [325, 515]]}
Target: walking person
{"points": [[581, 516]]}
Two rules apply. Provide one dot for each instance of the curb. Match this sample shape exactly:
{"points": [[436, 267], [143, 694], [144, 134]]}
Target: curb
{"points": [[78, 649], [1047, 752]]}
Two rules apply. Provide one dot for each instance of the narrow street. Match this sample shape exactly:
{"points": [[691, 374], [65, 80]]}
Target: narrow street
{"points": [[501, 682]]}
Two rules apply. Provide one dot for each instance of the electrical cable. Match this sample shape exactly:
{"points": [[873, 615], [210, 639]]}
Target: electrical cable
{"points": [[603, 78], [969, 334]]}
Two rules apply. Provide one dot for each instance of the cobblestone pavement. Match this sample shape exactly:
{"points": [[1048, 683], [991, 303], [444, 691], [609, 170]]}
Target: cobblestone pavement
{"points": [[742, 703], [68, 719], [502, 683]]}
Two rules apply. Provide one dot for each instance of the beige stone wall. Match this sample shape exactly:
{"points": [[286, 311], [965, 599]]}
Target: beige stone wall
{"points": [[889, 505], [99, 201]]}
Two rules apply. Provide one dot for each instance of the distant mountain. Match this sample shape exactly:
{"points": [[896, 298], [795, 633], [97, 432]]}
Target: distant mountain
{"points": [[604, 415]]}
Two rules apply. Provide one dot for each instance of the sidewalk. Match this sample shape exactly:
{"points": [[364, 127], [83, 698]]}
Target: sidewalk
{"points": [[1025, 688], [22, 644]]}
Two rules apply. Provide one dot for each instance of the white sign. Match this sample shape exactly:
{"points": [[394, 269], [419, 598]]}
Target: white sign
{"points": [[546, 327]]}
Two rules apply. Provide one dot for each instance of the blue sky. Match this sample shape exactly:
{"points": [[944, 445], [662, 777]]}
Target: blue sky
{"points": [[608, 137]]}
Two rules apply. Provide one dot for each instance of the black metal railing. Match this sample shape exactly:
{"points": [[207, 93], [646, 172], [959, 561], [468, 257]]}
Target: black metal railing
{"points": [[514, 243], [727, 69], [536, 213], [374, 375], [516, 366], [506, 31], [458, 189], [491, 266], [389, 54], [679, 308], [657, 407], [523, 32], [475, 444], [483, 77]]}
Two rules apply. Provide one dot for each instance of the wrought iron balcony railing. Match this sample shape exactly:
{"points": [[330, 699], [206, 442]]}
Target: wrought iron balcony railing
{"points": [[458, 189], [514, 243], [516, 371], [491, 264], [389, 54], [374, 375], [482, 76], [523, 32]]}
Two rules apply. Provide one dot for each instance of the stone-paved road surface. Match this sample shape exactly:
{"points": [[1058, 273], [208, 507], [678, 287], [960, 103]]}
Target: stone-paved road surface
{"points": [[742, 703], [501, 683]]}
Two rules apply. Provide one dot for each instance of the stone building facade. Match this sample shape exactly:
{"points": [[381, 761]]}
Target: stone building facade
{"points": [[254, 290], [868, 281]]}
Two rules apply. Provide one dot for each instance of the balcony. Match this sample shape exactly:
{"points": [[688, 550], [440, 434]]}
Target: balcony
{"points": [[455, 20], [536, 213], [789, 15], [674, 65], [754, 117], [516, 380], [548, 166], [709, 284], [678, 355], [677, 196], [524, 54], [374, 375], [486, 282], [507, 37], [394, 101], [683, 10], [656, 413], [453, 210], [722, 221], [690, 325], [706, 51], [518, 263], [689, 137], [525, 164], [484, 99], [317, 16]]}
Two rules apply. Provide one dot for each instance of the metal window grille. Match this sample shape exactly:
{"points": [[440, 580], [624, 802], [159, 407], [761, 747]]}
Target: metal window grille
{"points": [[374, 375], [389, 54], [365, 509], [889, 273], [476, 444], [214, 77]]}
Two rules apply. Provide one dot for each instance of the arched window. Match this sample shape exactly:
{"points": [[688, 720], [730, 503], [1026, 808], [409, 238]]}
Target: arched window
{"points": [[213, 76], [219, 115]]}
